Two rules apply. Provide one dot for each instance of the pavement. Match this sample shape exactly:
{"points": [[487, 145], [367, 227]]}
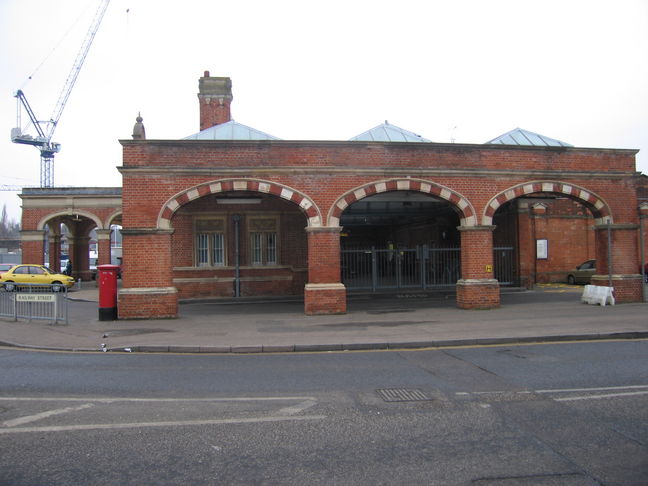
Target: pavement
{"points": [[409, 320]]}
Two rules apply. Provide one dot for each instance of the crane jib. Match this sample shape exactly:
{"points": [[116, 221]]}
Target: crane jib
{"points": [[45, 129]]}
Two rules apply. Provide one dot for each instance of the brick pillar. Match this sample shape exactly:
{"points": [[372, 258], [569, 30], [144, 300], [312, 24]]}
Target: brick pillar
{"points": [[324, 293], [541, 268], [103, 247], [643, 248], [147, 280], [79, 254], [477, 288], [71, 250], [526, 245], [617, 262], [54, 244], [32, 244]]}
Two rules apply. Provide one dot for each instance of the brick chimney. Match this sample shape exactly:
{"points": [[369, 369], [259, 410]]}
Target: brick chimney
{"points": [[214, 97]]}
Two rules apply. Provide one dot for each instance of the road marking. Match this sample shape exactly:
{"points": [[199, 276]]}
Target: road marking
{"points": [[596, 397], [283, 414], [43, 415], [300, 407], [251, 420], [112, 400], [641, 390], [602, 388], [557, 390]]}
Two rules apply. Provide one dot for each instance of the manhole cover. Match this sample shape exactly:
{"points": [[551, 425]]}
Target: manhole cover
{"points": [[402, 395]]}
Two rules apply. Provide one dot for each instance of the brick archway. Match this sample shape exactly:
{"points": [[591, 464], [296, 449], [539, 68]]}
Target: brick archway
{"points": [[600, 209], [94, 218], [466, 210], [79, 224], [307, 205], [110, 220]]}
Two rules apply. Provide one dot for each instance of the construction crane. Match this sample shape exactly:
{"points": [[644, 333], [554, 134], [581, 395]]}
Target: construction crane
{"points": [[45, 129]]}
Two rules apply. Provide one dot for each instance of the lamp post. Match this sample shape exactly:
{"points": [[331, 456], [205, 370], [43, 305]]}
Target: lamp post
{"points": [[609, 251], [237, 242]]}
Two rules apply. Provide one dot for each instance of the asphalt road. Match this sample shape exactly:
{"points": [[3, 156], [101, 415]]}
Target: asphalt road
{"points": [[562, 414]]}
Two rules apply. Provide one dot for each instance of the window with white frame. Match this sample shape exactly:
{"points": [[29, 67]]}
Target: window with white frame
{"points": [[210, 242], [263, 241]]}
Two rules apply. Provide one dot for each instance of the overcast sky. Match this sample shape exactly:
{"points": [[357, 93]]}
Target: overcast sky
{"points": [[457, 70]]}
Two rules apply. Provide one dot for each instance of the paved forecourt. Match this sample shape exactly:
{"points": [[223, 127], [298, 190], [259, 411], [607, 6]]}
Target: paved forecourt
{"points": [[408, 320]]}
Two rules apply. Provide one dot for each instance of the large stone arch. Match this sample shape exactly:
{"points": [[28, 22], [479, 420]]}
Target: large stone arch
{"points": [[307, 205], [466, 210], [600, 209], [45, 219]]}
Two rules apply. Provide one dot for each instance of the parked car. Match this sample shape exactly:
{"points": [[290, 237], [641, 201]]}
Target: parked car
{"points": [[582, 273], [5, 267], [35, 274]]}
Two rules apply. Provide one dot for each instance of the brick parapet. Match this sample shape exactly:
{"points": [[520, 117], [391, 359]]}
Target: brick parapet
{"points": [[336, 154]]}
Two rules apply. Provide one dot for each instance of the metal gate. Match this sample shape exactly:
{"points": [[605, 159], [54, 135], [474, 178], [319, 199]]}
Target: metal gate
{"points": [[34, 302], [505, 265], [420, 267]]}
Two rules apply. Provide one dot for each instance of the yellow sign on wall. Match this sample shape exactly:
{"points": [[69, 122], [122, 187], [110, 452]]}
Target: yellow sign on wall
{"points": [[489, 268]]}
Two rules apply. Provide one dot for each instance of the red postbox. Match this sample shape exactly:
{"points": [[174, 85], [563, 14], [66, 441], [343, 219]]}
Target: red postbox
{"points": [[107, 276]]}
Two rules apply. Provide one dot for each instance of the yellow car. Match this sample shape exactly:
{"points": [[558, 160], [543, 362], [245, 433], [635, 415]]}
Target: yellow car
{"points": [[34, 274]]}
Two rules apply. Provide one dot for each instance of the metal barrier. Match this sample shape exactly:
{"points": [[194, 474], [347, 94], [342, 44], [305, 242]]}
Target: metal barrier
{"points": [[34, 302], [505, 265], [444, 266], [421, 267]]}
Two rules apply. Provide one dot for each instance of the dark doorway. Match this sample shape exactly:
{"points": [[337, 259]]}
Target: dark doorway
{"points": [[400, 240]]}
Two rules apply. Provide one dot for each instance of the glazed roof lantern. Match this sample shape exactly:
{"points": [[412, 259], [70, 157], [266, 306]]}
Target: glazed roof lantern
{"points": [[519, 136]]}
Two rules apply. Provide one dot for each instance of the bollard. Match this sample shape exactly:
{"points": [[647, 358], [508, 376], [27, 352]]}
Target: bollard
{"points": [[107, 292]]}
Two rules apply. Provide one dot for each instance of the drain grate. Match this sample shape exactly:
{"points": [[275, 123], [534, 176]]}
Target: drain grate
{"points": [[402, 395]]}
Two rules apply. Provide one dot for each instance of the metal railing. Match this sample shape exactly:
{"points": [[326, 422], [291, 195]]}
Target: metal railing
{"points": [[421, 267], [34, 302], [425, 267], [505, 263]]}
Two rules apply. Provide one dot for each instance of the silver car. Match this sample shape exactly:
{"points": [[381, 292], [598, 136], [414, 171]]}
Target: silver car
{"points": [[582, 273]]}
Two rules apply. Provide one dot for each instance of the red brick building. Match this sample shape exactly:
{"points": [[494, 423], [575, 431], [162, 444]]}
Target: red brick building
{"points": [[232, 211]]}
